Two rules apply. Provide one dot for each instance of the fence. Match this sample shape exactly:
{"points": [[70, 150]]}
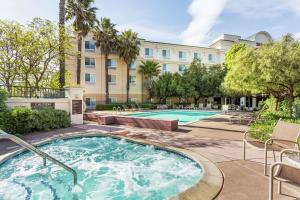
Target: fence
{"points": [[33, 92]]}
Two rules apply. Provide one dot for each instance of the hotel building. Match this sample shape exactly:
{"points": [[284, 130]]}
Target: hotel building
{"points": [[172, 58]]}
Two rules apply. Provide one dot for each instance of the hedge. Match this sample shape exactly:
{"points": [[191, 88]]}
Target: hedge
{"points": [[111, 106], [21, 120]]}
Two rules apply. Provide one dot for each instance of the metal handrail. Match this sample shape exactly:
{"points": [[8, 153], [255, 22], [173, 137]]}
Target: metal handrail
{"points": [[45, 156]]}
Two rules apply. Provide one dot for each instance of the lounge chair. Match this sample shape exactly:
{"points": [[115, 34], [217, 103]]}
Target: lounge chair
{"points": [[133, 107], [190, 107], [126, 108], [284, 172], [139, 107], [200, 106], [208, 106], [284, 136]]}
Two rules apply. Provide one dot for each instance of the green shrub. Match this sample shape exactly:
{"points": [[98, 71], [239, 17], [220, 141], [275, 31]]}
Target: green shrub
{"points": [[107, 106], [3, 98], [21, 120], [148, 106]]}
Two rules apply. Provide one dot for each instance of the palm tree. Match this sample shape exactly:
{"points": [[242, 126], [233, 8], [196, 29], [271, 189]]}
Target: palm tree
{"points": [[150, 69], [62, 11], [84, 16], [128, 49], [105, 36]]}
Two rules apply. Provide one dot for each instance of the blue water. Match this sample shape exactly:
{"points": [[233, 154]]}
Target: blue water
{"points": [[107, 169], [183, 116]]}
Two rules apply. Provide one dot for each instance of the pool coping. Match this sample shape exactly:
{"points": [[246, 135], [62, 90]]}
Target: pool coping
{"points": [[208, 187], [191, 122]]}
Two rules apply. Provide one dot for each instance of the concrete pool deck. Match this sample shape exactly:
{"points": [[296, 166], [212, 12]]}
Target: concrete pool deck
{"points": [[215, 138]]}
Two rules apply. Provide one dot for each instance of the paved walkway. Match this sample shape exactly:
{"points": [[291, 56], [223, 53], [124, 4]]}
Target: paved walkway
{"points": [[216, 139]]}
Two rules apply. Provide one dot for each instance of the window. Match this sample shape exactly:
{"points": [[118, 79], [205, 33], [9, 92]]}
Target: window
{"points": [[90, 103], [182, 55], [165, 68], [132, 66], [89, 46], [112, 79], [211, 58], [166, 53], [112, 99], [196, 56], [89, 62], [111, 63], [132, 79], [132, 100], [148, 53], [90, 78], [181, 68]]}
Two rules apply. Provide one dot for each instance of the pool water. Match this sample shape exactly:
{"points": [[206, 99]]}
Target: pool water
{"points": [[183, 116], [107, 168]]}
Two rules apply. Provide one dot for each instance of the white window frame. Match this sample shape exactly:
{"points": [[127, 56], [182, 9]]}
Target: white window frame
{"points": [[212, 60], [132, 66], [112, 99], [168, 54], [151, 52], [114, 82], [91, 75], [133, 100], [115, 63], [181, 71], [89, 66], [198, 56], [166, 66], [183, 53], [93, 106], [88, 49], [130, 81]]}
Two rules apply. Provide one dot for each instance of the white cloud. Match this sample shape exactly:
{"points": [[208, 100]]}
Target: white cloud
{"points": [[297, 36], [262, 9], [205, 14]]}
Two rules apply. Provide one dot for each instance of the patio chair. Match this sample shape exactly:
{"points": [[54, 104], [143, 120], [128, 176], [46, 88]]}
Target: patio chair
{"points": [[126, 108], [200, 106], [284, 172], [139, 107], [133, 107], [191, 106], [208, 106], [284, 136]]}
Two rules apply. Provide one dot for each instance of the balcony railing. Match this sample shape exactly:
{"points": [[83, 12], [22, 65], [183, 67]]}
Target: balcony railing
{"points": [[33, 92]]}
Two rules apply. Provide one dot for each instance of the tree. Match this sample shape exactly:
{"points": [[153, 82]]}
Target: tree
{"points": [[163, 87], [149, 69], [39, 53], [105, 36], [272, 69], [62, 11], [195, 74], [84, 16], [10, 36], [213, 80], [128, 49]]}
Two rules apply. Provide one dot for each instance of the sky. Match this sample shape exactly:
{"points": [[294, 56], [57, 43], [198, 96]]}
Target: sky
{"points": [[193, 22]]}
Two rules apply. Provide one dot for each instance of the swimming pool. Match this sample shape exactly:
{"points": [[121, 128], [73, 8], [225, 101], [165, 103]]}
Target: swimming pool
{"points": [[183, 116], [107, 168]]}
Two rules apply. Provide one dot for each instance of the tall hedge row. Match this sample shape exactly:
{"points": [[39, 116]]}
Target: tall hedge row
{"points": [[21, 120]]}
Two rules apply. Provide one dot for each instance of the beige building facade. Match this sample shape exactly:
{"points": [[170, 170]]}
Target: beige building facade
{"points": [[172, 58]]}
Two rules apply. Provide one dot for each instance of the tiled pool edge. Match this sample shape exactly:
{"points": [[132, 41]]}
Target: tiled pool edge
{"points": [[208, 187]]}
